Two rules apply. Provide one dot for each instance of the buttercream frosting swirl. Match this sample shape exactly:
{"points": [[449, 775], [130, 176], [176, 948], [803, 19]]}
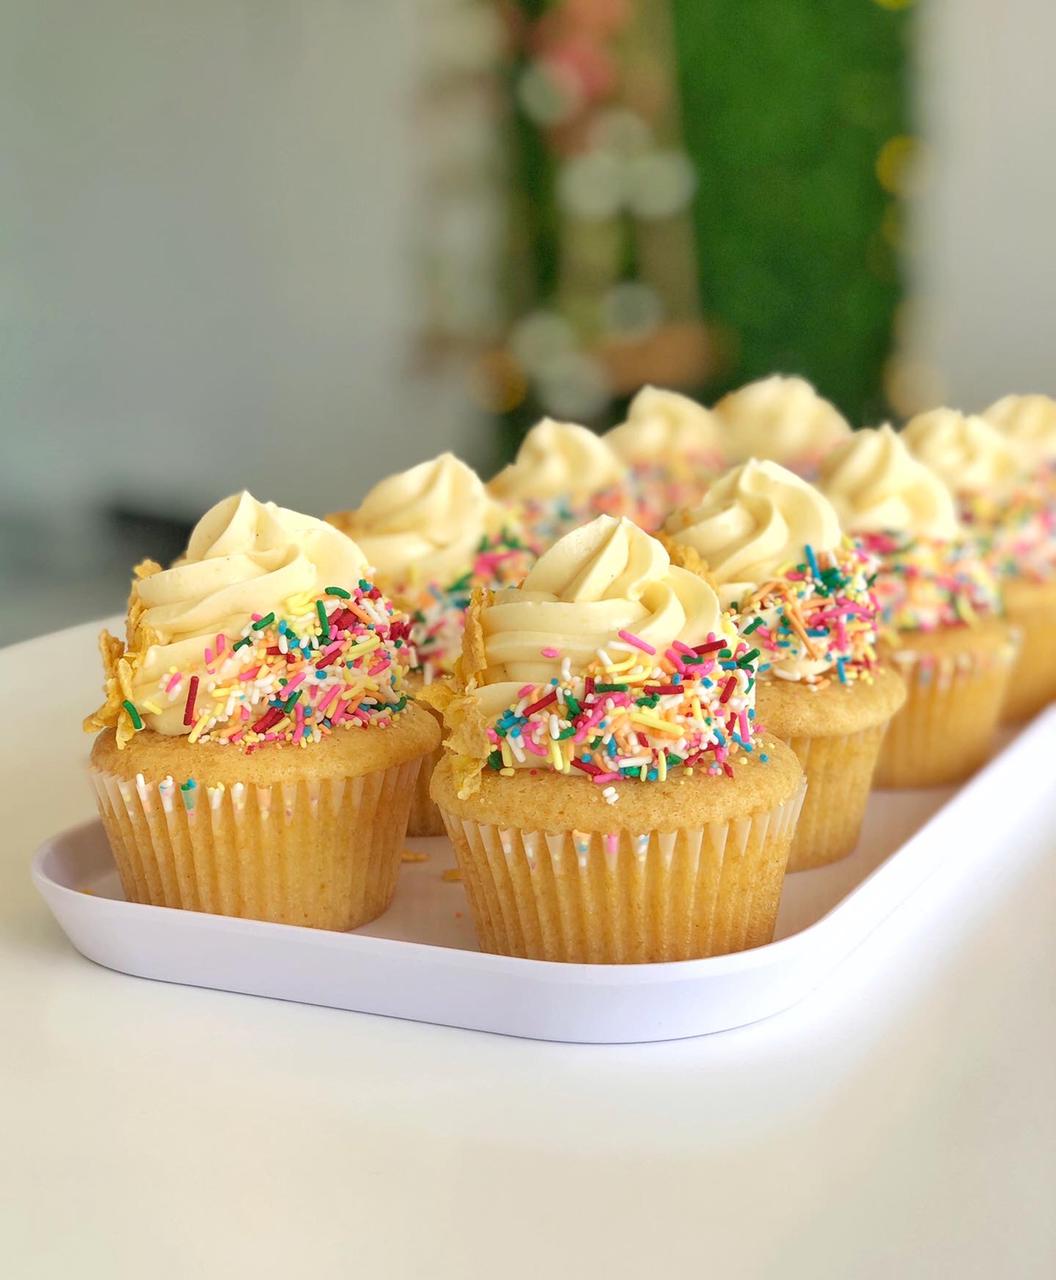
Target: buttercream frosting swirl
{"points": [[781, 418], [1029, 422], [876, 485], [664, 428], [752, 523], [602, 578], [965, 450], [423, 525], [557, 460]]}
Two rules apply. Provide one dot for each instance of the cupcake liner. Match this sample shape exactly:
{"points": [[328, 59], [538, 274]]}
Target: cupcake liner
{"points": [[425, 819], [625, 898], [322, 853], [839, 772], [946, 728], [1033, 683]]}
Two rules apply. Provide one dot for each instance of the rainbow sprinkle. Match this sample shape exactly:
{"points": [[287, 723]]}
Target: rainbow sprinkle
{"points": [[817, 616], [640, 719], [337, 661]]}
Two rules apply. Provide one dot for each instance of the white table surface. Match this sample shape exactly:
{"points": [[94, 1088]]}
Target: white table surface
{"points": [[900, 1122]]}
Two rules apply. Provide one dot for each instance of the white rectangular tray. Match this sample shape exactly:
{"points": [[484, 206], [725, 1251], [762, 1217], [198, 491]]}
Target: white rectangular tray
{"points": [[420, 961]]}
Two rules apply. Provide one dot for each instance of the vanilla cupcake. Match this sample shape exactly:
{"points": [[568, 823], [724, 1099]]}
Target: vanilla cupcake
{"points": [[942, 621], [606, 792], [256, 753], [801, 594], [671, 446], [431, 535], [780, 419], [1022, 530], [563, 475]]}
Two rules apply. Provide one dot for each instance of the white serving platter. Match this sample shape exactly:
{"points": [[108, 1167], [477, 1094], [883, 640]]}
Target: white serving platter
{"points": [[419, 960]]}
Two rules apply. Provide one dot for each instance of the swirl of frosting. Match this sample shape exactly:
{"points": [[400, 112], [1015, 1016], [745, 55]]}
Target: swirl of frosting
{"points": [[425, 524], [1029, 422], [876, 485], [602, 578], [555, 460], [966, 451], [244, 557], [780, 418], [753, 522], [664, 427]]}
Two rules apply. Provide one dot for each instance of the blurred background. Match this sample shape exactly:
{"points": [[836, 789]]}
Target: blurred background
{"points": [[293, 245]]}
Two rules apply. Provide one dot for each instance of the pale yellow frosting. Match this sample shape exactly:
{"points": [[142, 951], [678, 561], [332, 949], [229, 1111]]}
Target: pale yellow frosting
{"points": [[425, 524], [244, 557], [754, 522], [876, 485], [663, 426], [555, 460], [1029, 422], [601, 578], [780, 418], [970, 454]]}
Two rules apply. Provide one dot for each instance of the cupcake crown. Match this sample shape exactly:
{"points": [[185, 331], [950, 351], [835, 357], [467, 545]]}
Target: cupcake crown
{"points": [[608, 662], [557, 460], [1029, 422], [966, 451], [665, 429], [802, 592], [780, 418], [423, 525], [266, 630]]}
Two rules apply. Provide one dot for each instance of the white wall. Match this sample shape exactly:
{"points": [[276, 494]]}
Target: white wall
{"points": [[205, 266], [985, 253]]}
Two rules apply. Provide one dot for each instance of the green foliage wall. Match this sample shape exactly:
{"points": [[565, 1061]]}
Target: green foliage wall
{"points": [[786, 106]]}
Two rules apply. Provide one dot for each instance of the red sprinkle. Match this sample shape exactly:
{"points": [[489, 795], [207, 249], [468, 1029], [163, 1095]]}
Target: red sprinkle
{"points": [[587, 768], [662, 688], [713, 646], [731, 684], [272, 716], [188, 709], [544, 701]]}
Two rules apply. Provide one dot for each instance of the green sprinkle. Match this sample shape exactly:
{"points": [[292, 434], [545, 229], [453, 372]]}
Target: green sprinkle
{"points": [[495, 760], [612, 688], [266, 621], [567, 733], [133, 715], [291, 702], [338, 591], [573, 705], [323, 623], [189, 785], [242, 643], [755, 622], [364, 585], [746, 659]]}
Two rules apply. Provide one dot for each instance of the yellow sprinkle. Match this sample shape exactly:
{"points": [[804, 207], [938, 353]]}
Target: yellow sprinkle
{"points": [[364, 647], [409, 855], [196, 731], [661, 767], [658, 726], [507, 754], [451, 875], [152, 707], [507, 772]]}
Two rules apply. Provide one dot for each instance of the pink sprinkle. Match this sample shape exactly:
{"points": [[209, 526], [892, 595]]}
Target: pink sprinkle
{"points": [[533, 747], [251, 674], [379, 667], [327, 698], [602, 778], [288, 688], [550, 651], [682, 648], [637, 641], [221, 644], [256, 616], [173, 683], [612, 840], [524, 691]]}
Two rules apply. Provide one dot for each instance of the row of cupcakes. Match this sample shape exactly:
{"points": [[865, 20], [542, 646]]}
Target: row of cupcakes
{"points": [[754, 644]]}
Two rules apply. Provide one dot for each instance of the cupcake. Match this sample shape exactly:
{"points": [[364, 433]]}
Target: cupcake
{"points": [[257, 752], [782, 419], [563, 476], [801, 594], [1009, 508], [606, 791], [940, 609], [671, 447], [431, 535]]}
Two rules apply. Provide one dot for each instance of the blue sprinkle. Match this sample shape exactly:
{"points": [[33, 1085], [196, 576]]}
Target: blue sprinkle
{"points": [[812, 560], [763, 757]]}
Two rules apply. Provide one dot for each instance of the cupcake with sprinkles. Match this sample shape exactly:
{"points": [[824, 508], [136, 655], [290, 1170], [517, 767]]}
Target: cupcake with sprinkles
{"points": [[1011, 511], [941, 615], [563, 476], [671, 446], [780, 419], [606, 789], [257, 750], [432, 535], [802, 594], [1028, 423]]}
